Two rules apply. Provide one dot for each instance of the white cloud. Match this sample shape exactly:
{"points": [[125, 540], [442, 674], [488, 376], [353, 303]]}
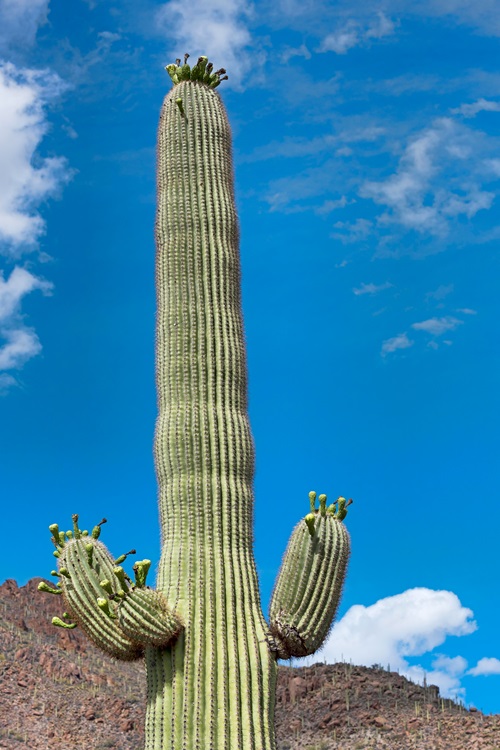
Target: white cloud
{"points": [[379, 28], [222, 24], [455, 665], [332, 205], [27, 179], [343, 40], [19, 283], [438, 326], [446, 673], [349, 232], [402, 626], [486, 666], [290, 52], [467, 311], [18, 343], [24, 184], [6, 383], [401, 341], [439, 178], [481, 105], [20, 19], [371, 288], [21, 344], [354, 33]]}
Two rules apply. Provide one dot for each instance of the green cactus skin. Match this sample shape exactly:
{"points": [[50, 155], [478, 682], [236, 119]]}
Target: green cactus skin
{"points": [[215, 687], [145, 617], [210, 656], [309, 585], [119, 621], [82, 590]]}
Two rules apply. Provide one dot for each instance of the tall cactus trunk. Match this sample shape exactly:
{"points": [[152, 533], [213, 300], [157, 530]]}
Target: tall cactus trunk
{"points": [[211, 658], [214, 688]]}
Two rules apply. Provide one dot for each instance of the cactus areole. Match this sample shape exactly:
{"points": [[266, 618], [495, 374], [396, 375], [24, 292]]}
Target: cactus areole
{"points": [[210, 655]]}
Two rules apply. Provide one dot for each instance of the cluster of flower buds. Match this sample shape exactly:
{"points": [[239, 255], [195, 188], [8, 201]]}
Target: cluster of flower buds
{"points": [[202, 71]]}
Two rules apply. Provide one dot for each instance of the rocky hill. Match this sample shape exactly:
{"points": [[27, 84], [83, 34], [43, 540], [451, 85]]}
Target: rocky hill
{"points": [[57, 691]]}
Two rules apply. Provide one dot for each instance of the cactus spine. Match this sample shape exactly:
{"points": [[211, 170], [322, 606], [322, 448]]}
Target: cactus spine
{"points": [[211, 657]]}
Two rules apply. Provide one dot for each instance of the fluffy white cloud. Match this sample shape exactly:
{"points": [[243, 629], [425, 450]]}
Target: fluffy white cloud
{"points": [[24, 184], [20, 19], [398, 627], [486, 666], [355, 33], [439, 177], [438, 326], [21, 344], [371, 288], [401, 341], [26, 180], [18, 343], [12, 290], [223, 22]]}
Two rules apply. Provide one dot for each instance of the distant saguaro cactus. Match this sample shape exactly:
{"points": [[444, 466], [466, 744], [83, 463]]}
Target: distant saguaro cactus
{"points": [[210, 656]]}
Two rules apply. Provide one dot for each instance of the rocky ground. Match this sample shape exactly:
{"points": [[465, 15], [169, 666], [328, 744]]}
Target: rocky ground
{"points": [[57, 691]]}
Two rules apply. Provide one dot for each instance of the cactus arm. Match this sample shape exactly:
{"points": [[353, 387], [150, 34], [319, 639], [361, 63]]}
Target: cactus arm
{"points": [[309, 585], [119, 619]]}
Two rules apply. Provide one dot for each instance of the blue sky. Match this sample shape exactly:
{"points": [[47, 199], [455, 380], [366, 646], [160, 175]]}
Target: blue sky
{"points": [[366, 142]]}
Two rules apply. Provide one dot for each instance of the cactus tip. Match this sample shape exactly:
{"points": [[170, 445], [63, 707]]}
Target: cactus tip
{"points": [[312, 500]]}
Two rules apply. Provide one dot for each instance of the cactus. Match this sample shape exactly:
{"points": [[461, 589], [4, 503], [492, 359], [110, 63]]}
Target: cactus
{"points": [[211, 658]]}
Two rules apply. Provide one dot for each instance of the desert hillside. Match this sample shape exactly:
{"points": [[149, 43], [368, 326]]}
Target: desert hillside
{"points": [[57, 691]]}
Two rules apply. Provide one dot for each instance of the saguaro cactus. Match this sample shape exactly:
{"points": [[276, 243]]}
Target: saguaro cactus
{"points": [[211, 657]]}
